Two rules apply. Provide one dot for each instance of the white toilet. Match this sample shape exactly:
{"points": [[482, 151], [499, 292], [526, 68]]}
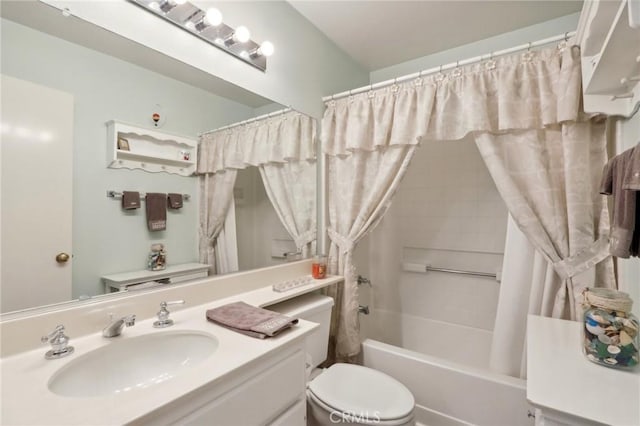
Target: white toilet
{"points": [[345, 393]]}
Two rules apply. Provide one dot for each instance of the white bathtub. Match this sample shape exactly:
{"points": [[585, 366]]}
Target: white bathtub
{"points": [[446, 368]]}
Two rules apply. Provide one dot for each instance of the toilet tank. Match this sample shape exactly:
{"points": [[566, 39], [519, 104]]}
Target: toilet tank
{"points": [[315, 308]]}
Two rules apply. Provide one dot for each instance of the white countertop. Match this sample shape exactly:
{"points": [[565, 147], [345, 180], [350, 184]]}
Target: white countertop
{"points": [[560, 377], [27, 400]]}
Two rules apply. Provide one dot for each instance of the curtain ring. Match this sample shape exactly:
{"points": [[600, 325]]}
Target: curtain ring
{"points": [[566, 36], [529, 47], [395, 87], [440, 76]]}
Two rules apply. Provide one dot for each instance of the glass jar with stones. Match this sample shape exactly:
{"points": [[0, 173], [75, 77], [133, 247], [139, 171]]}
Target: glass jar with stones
{"points": [[610, 329]]}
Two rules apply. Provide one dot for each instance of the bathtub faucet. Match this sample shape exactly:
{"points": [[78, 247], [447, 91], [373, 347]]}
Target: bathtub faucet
{"points": [[363, 309], [364, 280]]}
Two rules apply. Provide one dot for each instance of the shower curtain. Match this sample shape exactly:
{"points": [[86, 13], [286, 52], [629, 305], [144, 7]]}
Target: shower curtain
{"points": [[283, 148], [543, 153]]}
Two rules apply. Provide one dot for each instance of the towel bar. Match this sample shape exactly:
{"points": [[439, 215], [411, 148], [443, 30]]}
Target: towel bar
{"points": [[116, 194]]}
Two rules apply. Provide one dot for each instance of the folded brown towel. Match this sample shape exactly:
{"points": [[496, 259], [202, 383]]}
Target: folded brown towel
{"points": [[249, 320], [130, 200], [175, 201], [625, 220], [156, 211], [632, 175]]}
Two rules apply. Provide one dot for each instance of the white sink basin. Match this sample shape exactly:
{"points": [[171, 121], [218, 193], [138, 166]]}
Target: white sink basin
{"points": [[134, 363]]}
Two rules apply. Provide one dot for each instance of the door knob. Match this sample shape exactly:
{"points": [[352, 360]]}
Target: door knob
{"points": [[62, 257]]}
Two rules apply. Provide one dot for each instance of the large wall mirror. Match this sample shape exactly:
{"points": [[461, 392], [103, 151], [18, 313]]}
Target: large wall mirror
{"points": [[87, 76]]}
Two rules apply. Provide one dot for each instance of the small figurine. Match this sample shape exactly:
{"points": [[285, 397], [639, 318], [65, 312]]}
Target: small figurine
{"points": [[157, 258]]}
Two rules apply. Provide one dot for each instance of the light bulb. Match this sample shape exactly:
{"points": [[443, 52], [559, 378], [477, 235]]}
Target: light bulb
{"points": [[266, 49], [154, 5], [241, 34], [213, 17]]}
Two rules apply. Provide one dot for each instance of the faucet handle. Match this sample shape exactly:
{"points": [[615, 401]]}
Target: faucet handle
{"points": [[59, 343], [163, 314], [129, 320], [174, 302]]}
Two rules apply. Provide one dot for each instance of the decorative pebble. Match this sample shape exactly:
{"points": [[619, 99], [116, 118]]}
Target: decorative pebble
{"points": [[594, 329], [625, 339], [613, 349], [604, 339], [592, 358], [600, 319], [611, 361]]}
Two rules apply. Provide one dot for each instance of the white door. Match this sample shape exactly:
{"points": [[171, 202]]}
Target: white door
{"points": [[36, 182]]}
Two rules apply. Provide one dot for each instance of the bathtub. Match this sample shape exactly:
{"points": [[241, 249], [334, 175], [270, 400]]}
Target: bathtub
{"points": [[446, 368]]}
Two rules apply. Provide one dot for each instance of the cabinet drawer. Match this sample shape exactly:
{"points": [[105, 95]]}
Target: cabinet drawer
{"points": [[294, 416], [258, 400]]}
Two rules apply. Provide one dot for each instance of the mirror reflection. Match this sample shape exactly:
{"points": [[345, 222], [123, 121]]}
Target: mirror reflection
{"points": [[64, 225]]}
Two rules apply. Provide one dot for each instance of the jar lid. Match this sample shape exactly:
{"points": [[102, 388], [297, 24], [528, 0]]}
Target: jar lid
{"points": [[607, 298]]}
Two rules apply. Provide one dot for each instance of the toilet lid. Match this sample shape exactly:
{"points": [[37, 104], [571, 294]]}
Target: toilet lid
{"points": [[360, 390]]}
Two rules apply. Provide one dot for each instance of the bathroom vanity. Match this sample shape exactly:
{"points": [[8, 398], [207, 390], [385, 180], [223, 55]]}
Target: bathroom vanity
{"points": [[229, 379], [568, 389]]}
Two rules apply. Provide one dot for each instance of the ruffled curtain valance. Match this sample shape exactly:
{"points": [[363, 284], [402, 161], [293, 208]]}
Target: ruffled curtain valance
{"points": [[287, 137], [533, 90]]}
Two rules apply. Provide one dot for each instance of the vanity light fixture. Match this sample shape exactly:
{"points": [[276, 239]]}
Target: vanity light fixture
{"points": [[208, 26]]}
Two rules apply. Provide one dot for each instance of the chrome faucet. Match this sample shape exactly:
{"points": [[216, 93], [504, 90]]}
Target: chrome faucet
{"points": [[115, 326], [59, 343], [163, 315]]}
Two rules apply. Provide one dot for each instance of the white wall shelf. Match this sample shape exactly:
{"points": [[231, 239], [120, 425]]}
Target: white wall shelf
{"points": [[610, 58], [150, 150], [173, 273]]}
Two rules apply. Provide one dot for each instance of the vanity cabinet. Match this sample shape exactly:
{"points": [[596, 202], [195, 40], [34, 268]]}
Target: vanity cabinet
{"points": [[132, 147], [568, 389], [269, 391]]}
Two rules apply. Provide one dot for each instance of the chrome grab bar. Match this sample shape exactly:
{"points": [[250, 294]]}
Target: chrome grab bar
{"points": [[460, 272]]}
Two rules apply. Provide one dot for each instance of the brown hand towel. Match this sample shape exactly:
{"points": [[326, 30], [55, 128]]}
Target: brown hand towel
{"points": [[156, 211], [632, 174], [175, 201], [624, 231], [249, 320], [130, 200]]}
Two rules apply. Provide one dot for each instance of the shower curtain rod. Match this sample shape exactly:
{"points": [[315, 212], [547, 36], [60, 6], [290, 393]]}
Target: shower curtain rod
{"points": [[251, 120], [456, 64]]}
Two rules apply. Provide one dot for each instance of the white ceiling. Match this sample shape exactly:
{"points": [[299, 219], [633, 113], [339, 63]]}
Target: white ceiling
{"points": [[378, 34]]}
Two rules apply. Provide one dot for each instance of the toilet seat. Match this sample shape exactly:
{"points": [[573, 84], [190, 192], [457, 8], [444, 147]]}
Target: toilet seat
{"points": [[369, 395]]}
